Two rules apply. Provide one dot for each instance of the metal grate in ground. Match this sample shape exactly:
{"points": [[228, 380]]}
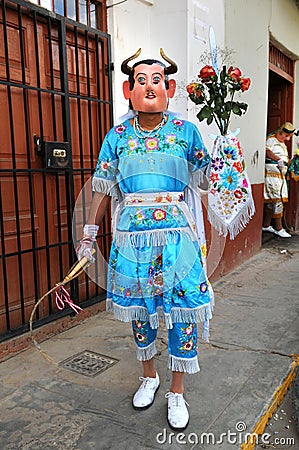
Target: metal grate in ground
{"points": [[88, 363]]}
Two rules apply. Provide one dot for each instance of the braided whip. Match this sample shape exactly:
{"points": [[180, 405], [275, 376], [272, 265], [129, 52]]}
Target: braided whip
{"points": [[62, 297]]}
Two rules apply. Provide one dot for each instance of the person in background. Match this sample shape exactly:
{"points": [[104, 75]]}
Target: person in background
{"points": [[275, 186]]}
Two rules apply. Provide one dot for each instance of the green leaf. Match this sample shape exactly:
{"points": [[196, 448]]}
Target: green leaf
{"points": [[210, 120], [206, 112], [236, 109], [200, 116]]}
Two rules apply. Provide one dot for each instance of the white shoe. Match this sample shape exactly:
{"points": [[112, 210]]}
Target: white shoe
{"points": [[269, 229], [178, 415], [145, 395], [283, 233]]}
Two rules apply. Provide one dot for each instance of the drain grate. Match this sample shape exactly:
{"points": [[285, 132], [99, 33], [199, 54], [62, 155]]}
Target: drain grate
{"points": [[88, 363]]}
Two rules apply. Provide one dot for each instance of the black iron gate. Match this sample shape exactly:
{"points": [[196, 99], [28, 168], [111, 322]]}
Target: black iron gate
{"points": [[55, 108]]}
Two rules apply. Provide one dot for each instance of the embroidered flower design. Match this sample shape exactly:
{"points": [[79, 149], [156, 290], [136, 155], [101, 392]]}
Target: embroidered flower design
{"points": [[151, 270], [229, 178], [170, 139], [158, 279], [127, 292], [140, 214], [238, 166], [159, 214], [217, 163], [199, 154], [203, 287], [238, 193], [203, 249], [158, 199], [189, 330], [214, 177], [140, 337], [177, 122], [230, 152], [168, 197], [138, 323], [105, 165], [120, 129], [151, 143], [244, 183], [132, 144], [188, 345]]}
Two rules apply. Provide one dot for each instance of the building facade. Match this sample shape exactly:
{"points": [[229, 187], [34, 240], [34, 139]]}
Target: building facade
{"points": [[61, 89]]}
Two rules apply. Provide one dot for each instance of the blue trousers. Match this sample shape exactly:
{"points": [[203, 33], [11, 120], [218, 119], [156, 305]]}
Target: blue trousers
{"points": [[182, 345]]}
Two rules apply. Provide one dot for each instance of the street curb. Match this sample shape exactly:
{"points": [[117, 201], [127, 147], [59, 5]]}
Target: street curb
{"points": [[270, 408]]}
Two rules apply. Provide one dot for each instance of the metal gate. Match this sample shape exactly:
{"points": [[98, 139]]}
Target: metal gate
{"points": [[55, 108]]}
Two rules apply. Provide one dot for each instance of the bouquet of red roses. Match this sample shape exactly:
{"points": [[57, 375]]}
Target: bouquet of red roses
{"points": [[215, 95]]}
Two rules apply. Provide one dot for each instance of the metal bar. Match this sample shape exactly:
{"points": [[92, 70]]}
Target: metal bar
{"points": [[52, 79], [69, 177], [13, 148], [28, 148], [5, 285]]}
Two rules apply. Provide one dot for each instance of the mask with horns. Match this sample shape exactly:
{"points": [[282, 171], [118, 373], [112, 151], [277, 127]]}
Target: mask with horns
{"points": [[150, 69]]}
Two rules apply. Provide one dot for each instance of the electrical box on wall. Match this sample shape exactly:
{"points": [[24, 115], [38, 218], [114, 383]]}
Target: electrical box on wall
{"points": [[56, 155]]}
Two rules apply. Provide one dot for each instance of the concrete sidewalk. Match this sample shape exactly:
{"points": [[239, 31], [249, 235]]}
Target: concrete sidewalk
{"points": [[253, 333]]}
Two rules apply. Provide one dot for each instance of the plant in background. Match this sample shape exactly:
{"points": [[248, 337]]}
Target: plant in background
{"points": [[214, 94]]}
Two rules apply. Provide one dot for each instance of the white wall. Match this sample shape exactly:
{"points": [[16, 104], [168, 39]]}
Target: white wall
{"points": [[246, 31]]}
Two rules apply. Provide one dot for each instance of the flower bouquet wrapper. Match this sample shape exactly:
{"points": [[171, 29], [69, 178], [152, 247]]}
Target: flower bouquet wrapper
{"points": [[230, 201]]}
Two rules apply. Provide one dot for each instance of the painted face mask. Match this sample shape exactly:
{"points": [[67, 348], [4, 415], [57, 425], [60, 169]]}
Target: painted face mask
{"points": [[149, 93], [146, 88]]}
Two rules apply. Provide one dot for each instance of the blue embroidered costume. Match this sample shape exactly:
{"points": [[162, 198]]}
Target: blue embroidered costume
{"points": [[156, 266]]}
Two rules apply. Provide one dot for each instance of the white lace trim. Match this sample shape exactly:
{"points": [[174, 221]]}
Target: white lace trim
{"points": [[187, 365], [146, 353], [152, 237], [184, 315], [107, 187]]}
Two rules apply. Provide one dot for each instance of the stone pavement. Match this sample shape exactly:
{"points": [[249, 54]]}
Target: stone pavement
{"points": [[253, 333]]}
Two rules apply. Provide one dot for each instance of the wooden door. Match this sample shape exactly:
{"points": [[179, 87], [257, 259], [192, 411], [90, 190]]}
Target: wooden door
{"points": [[54, 86]]}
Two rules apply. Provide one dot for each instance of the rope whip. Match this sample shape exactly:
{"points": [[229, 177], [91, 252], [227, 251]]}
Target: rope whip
{"points": [[62, 297]]}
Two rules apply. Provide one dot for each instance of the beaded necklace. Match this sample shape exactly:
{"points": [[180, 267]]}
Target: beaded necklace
{"points": [[142, 133]]}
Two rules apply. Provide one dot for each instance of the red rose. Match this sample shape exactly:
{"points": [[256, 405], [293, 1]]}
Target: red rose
{"points": [[207, 72], [245, 83], [192, 89], [234, 73]]}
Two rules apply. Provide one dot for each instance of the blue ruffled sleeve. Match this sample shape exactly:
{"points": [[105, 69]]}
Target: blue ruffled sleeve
{"points": [[104, 179], [197, 154]]}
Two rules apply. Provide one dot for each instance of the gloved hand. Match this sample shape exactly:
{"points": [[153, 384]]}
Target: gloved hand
{"points": [[280, 164], [85, 246]]}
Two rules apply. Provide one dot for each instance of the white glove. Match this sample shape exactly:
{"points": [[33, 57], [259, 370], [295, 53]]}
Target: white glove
{"points": [[85, 246], [280, 164]]}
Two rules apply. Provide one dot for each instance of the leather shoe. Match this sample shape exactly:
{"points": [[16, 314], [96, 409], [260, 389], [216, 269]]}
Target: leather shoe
{"points": [[178, 415], [145, 395]]}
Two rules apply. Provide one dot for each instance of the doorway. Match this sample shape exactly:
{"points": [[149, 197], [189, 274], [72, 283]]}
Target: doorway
{"points": [[280, 110]]}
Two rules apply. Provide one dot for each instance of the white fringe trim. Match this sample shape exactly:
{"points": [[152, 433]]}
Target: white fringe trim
{"points": [[238, 223], [151, 237], [187, 365], [184, 315], [107, 187], [205, 332], [146, 353]]}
